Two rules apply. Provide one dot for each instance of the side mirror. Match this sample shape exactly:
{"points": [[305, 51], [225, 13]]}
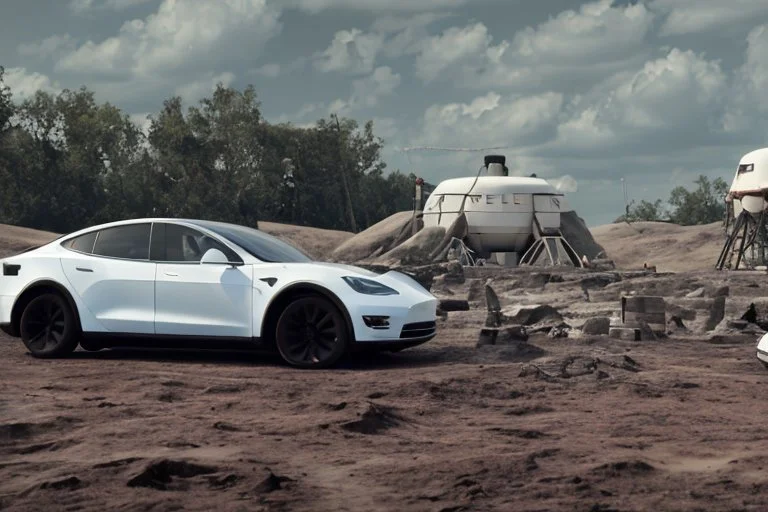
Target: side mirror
{"points": [[216, 257]]}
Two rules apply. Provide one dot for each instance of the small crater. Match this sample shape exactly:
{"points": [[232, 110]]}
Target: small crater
{"points": [[272, 483], [375, 420], [635, 467], [159, 475]]}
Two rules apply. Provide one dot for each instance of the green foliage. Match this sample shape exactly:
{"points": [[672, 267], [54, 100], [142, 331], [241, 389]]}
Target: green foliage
{"points": [[704, 205], [67, 162], [645, 211]]}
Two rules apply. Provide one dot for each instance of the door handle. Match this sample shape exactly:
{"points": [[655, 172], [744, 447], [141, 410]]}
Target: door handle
{"points": [[83, 269], [172, 274]]}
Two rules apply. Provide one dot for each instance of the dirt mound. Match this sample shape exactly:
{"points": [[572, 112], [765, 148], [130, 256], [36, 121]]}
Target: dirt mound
{"points": [[376, 240], [375, 420], [575, 230], [671, 248], [318, 243], [416, 249], [159, 475], [14, 239]]}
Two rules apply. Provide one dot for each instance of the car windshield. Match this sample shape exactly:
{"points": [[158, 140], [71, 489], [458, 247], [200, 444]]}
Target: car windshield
{"points": [[257, 243]]}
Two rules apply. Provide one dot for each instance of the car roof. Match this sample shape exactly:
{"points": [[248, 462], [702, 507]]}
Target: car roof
{"points": [[195, 222]]}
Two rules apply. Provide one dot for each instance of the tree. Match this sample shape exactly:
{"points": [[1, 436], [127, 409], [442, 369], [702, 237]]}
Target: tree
{"points": [[645, 211], [702, 206]]}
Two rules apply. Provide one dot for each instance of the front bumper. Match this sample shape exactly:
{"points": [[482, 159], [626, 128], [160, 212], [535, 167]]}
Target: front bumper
{"points": [[407, 324]]}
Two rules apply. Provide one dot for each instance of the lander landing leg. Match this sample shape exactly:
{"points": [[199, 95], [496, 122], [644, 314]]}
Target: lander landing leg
{"points": [[746, 243]]}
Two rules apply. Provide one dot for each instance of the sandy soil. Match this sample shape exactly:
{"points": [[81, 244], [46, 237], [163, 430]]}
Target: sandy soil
{"points": [[668, 246], [578, 423]]}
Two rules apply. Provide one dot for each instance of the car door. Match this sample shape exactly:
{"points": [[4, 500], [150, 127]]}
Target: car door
{"points": [[111, 273], [197, 299]]}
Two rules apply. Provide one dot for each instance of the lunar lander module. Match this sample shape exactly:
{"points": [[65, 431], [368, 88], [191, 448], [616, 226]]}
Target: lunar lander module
{"points": [[746, 241]]}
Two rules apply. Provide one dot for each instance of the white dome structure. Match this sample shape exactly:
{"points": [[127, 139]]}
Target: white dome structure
{"points": [[506, 215], [746, 244]]}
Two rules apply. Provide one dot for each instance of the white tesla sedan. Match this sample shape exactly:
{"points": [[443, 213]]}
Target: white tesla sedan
{"points": [[166, 282]]}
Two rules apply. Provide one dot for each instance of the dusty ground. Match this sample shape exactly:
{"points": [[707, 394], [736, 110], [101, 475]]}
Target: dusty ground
{"points": [[673, 424], [670, 247]]}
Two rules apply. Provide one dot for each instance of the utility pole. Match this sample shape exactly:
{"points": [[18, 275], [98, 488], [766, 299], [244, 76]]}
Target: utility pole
{"points": [[344, 182]]}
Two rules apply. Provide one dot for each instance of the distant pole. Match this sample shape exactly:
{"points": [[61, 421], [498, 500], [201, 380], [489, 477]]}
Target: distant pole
{"points": [[344, 183], [417, 204]]}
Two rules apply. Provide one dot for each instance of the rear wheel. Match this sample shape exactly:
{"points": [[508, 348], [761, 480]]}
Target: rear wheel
{"points": [[47, 326], [311, 333]]}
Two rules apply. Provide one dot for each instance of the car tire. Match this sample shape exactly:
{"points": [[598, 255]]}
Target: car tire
{"points": [[48, 326], [311, 333]]}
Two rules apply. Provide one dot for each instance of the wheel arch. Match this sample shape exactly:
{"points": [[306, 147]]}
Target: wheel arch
{"points": [[35, 289], [293, 291]]}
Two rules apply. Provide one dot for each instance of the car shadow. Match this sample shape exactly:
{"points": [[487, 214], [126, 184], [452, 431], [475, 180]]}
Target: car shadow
{"points": [[411, 358]]}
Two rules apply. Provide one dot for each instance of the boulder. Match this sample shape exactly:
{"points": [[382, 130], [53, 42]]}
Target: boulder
{"points": [[600, 325], [530, 315], [416, 249], [382, 235]]}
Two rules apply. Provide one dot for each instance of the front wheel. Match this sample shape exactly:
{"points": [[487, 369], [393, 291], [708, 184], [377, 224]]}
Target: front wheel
{"points": [[311, 333], [47, 326]]}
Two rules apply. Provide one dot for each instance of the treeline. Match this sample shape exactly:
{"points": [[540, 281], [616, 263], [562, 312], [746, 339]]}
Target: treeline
{"points": [[702, 205], [67, 162]]}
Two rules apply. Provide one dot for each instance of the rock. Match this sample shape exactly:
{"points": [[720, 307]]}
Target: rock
{"points": [[487, 337], [416, 249], [646, 332], [723, 291], [716, 313], [558, 332], [597, 326], [675, 324], [381, 235], [625, 333], [476, 292], [695, 294], [491, 299], [449, 305], [751, 314], [512, 334], [530, 315]]}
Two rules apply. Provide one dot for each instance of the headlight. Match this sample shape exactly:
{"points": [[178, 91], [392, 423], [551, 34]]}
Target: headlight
{"points": [[368, 287]]}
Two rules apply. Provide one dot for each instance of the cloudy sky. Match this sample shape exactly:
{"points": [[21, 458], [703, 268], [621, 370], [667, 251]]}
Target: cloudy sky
{"points": [[655, 92]]}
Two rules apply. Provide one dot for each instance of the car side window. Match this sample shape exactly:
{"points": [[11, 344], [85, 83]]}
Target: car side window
{"points": [[128, 242], [183, 244], [82, 243]]}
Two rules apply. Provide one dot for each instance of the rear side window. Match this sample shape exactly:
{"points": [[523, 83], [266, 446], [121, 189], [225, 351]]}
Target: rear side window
{"points": [[128, 242], [82, 243]]}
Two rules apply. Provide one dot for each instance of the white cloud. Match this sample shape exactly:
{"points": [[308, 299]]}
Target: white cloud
{"points": [[691, 16], [314, 6], [351, 51], [455, 45], [180, 35], [271, 70], [596, 41], [193, 92], [367, 91], [24, 84], [747, 101], [673, 103], [492, 120], [53, 46], [82, 6]]}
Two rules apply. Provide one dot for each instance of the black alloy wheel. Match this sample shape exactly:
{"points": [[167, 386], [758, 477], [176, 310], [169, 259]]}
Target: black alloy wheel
{"points": [[47, 326], [311, 333]]}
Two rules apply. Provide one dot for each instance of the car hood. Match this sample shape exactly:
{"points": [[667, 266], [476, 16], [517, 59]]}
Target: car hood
{"points": [[343, 268]]}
